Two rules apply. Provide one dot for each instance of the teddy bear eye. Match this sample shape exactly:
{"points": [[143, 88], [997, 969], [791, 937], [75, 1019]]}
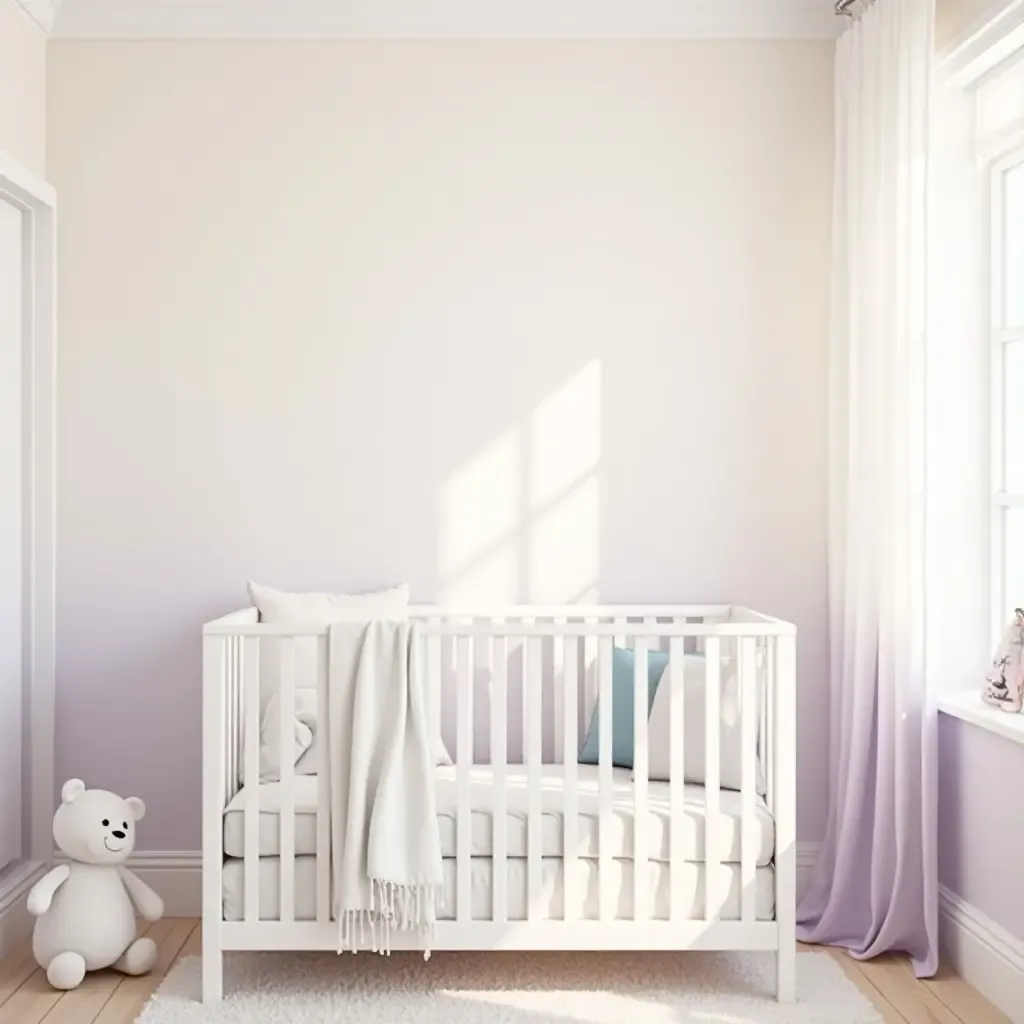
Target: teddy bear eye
{"points": [[105, 822], [124, 824]]}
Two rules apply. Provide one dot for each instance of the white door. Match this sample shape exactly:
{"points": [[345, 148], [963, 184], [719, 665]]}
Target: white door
{"points": [[12, 541]]}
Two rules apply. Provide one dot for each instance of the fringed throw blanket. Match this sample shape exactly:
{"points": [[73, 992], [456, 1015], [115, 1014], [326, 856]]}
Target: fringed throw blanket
{"points": [[386, 850]]}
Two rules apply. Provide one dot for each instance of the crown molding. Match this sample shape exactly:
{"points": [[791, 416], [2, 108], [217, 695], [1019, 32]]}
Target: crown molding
{"points": [[447, 19], [988, 44], [42, 12]]}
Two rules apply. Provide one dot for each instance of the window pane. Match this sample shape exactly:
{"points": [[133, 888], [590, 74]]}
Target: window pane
{"points": [[1014, 596], [1013, 417], [1014, 210]]}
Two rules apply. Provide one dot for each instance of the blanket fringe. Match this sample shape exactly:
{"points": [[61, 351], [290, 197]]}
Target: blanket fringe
{"points": [[393, 907]]}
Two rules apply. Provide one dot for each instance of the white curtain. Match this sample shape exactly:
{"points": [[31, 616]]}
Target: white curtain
{"points": [[875, 885]]}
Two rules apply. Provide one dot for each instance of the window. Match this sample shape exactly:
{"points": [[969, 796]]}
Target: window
{"points": [[977, 336], [1008, 385]]}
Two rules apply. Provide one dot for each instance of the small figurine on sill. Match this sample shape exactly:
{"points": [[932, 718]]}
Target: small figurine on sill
{"points": [[86, 909], [1004, 684]]}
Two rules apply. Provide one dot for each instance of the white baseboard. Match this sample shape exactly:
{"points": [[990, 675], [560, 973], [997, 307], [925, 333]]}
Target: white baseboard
{"points": [[177, 875], [983, 953], [15, 920], [806, 855]]}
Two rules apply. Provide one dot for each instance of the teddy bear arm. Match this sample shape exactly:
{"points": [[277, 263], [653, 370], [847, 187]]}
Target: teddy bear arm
{"points": [[41, 895], [147, 902]]}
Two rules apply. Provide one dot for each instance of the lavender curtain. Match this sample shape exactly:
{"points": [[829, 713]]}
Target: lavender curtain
{"points": [[875, 885]]}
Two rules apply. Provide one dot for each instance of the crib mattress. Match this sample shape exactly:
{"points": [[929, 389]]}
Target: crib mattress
{"points": [[482, 800], [552, 901]]}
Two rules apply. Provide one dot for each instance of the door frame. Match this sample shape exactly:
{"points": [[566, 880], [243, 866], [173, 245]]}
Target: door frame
{"points": [[38, 202]]}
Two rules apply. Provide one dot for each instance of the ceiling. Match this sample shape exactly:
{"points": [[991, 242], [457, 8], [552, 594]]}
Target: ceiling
{"points": [[320, 19]]}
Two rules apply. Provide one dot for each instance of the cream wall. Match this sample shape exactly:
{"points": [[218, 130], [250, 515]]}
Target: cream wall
{"points": [[22, 88], [511, 321], [955, 18]]}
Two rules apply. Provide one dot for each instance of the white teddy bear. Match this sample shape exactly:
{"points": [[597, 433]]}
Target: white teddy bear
{"points": [[86, 910]]}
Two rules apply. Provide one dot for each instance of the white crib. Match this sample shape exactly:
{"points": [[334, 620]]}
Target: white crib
{"points": [[540, 852]]}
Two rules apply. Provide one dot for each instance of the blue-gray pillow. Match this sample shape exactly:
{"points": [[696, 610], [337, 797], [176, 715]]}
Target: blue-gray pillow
{"points": [[623, 662]]}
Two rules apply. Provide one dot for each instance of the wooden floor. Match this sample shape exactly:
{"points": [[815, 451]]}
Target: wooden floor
{"points": [[110, 998]]}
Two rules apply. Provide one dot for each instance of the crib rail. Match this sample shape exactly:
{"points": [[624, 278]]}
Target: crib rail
{"points": [[515, 688]]}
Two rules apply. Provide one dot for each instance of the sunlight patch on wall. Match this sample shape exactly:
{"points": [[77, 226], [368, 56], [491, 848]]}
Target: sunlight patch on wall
{"points": [[491, 580], [566, 436], [480, 512], [520, 521], [563, 546]]}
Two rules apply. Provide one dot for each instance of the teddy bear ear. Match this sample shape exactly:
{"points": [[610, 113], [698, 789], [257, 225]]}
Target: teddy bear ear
{"points": [[137, 807], [73, 789]]}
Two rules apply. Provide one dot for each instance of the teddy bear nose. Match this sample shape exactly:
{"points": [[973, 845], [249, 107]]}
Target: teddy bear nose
{"points": [[117, 832]]}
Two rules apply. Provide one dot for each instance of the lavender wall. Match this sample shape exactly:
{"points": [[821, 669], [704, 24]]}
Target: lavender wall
{"points": [[981, 827], [335, 315]]}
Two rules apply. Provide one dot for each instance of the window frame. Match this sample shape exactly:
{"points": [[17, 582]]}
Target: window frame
{"points": [[1001, 336]]}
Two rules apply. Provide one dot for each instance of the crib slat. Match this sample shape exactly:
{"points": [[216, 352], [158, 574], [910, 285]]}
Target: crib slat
{"points": [[463, 768], [231, 658], [767, 754], [571, 900], [532, 690], [650, 629], [713, 893], [499, 759], [785, 815], [286, 818], [641, 911], [239, 701], [226, 659], [590, 674], [523, 702], [676, 774], [323, 783], [604, 733], [762, 709], [558, 682], [236, 718], [250, 869], [748, 729], [433, 678], [213, 818]]}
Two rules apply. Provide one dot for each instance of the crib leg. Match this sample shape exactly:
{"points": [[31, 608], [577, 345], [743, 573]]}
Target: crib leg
{"points": [[785, 977], [213, 975]]}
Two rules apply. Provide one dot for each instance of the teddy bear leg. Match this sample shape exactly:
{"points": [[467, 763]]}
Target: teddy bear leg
{"points": [[66, 970], [138, 958]]}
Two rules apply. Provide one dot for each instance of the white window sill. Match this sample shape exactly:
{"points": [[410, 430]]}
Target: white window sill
{"points": [[969, 707]]}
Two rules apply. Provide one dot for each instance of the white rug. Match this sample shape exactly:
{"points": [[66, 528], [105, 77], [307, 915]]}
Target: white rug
{"points": [[510, 988]]}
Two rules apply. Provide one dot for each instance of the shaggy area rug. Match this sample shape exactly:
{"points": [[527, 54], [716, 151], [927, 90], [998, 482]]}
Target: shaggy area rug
{"points": [[510, 988]]}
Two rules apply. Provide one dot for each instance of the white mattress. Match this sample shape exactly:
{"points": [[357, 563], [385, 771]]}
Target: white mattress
{"points": [[551, 903], [552, 831]]}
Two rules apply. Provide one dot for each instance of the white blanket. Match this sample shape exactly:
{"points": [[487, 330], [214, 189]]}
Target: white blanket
{"points": [[386, 850]]}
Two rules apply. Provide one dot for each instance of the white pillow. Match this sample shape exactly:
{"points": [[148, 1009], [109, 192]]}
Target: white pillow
{"points": [[302, 733], [659, 751], [320, 609], [307, 724], [315, 609]]}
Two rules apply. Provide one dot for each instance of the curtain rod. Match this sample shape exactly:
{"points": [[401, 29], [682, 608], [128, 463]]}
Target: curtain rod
{"points": [[845, 7]]}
